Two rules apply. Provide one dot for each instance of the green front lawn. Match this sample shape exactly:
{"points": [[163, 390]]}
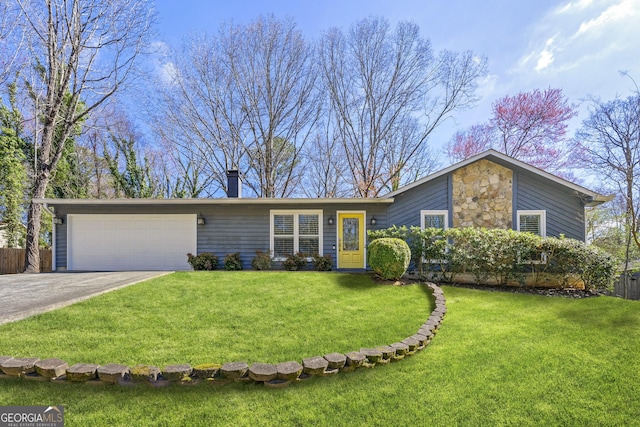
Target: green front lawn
{"points": [[499, 359], [217, 317]]}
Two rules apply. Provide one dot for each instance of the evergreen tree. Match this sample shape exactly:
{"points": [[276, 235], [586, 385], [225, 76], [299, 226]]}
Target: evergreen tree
{"points": [[12, 171], [136, 180]]}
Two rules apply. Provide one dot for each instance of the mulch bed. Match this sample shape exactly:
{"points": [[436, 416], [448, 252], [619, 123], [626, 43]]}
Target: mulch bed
{"points": [[549, 292]]}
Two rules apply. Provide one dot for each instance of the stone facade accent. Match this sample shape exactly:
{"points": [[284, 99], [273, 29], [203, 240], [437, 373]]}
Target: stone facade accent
{"points": [[483, 196]]}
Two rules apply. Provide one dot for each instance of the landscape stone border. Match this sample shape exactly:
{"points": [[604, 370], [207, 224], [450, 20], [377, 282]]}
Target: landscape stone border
{"points": [[271, 375]]}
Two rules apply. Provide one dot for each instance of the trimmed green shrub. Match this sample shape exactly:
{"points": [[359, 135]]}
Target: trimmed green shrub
{"points": [[295, 262], [262, 261], [232, 262], [503, 256], [389, 257], [571, 258], [203, 261], [322, 262]]}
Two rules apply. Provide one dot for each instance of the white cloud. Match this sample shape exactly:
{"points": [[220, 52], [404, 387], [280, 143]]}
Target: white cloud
{"points": [[574, 5], [580, 47], [544, 60], [168, 73], [487, 86], [609, 17], [545, 57], [582, 34], [160, 48], [165, 70]]}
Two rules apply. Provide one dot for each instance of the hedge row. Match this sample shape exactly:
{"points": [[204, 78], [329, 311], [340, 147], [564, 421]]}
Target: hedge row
{"points": [[262, 261], [503, 256]]}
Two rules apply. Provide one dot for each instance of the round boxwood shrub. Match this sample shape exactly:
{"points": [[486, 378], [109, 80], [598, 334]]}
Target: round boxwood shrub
{"points": [[389, 257]]}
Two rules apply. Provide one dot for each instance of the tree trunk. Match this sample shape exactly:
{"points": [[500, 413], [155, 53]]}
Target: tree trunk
{"points": [[32, 255]]}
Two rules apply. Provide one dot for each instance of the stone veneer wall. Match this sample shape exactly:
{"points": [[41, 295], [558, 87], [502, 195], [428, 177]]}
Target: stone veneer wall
{"points": [[482, 196], [271, 375]]}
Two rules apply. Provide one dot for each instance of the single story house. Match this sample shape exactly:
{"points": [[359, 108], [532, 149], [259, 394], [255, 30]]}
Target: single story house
{"points": [[487, 190]]}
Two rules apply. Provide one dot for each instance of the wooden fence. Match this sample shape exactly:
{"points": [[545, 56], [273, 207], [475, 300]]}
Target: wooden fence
{"points": [[627, 286], [12, 260]]}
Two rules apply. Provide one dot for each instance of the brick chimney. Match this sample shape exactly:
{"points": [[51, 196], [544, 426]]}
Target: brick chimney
{"points": [[234, 184]]}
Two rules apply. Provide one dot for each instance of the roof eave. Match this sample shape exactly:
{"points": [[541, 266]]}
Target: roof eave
{"points": [[600, 199], [491, 152], [221, 201]]}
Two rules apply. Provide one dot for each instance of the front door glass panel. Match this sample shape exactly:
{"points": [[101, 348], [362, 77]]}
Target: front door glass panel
{"points": [[351, 234]]}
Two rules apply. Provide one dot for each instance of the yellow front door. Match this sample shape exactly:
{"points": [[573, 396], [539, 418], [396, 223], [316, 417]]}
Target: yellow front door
{"points": [[351, 240]]}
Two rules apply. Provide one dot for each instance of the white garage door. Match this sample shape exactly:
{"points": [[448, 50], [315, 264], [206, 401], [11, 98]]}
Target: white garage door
{"points": [[130, 242]]}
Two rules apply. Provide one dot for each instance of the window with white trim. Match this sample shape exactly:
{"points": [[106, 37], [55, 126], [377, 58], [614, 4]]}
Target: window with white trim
{"points": [[295, 231], [533, 221], [434, 219]]}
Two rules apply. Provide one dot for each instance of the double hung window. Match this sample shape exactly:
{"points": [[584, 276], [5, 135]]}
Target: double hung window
{"points": [[296, 231], [533, 221], [434, 219]]}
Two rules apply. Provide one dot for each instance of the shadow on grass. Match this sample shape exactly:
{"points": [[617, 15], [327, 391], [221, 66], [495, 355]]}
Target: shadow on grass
{"points": [[603, 312], [356, 281], [367, 281]]}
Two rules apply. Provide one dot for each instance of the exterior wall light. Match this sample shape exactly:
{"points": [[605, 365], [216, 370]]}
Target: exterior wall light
{"points": [[57, 220], [330, 221], [200, 220], [373, 221]]}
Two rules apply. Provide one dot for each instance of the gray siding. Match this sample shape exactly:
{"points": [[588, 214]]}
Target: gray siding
{"points": [[61, 245], [432, 195], [564, 209], [230, 228]]}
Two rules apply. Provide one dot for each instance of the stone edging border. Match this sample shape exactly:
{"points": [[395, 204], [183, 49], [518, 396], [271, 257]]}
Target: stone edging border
{"points": [[271, 375]]}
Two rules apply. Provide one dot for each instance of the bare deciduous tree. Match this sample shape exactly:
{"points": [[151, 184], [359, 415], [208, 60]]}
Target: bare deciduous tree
{"points": [[85, 50], [325, 164], [274, 73], [11, 39], [389, 91], [198, 112], [608, 143], [244, 99], [184, 173]]}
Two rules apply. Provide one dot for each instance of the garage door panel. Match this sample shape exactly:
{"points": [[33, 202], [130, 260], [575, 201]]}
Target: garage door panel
{"points": [[130, 242]]}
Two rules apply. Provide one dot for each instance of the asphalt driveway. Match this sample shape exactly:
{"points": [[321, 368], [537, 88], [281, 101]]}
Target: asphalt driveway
{"points": [[23, 295]]}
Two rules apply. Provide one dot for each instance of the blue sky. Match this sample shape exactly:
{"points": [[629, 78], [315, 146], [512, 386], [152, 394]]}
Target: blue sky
{"points": [[579, 46]]}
